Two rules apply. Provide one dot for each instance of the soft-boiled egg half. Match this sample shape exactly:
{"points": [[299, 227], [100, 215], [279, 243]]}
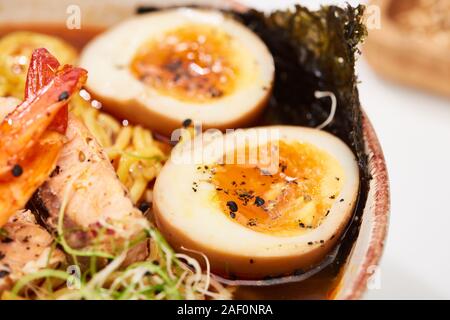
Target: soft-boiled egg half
{"points": [[162, 68], [258, 202]]}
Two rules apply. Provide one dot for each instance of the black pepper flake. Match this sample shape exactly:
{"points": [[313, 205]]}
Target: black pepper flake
{"points": [[342, 200], [333, 197], [244, 195], [232, 215], [3, 273], [55, 172], [232, 206], [63, 96], [259, 201], [186, 123], [301, 224], [310, 243], [144, 206], [17, 170], [7, 240]]}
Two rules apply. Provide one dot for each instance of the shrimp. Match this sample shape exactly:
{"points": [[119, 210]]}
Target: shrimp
{"points": [[33, 134]]}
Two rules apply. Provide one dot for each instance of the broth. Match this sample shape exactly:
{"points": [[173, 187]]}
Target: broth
{"points": [[322, 285]]}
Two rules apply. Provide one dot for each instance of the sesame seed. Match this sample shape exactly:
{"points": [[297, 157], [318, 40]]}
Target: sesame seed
{"points": [[259, 201], [81, 156], [63, 96], [3, 273], [232, 206], [186, 123], [17, 170], [144, 206]]}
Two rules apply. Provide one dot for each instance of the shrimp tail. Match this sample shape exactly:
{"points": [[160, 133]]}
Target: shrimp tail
{"points": [[42, 69]]}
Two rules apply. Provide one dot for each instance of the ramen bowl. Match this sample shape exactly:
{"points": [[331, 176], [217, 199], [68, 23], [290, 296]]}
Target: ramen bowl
{"points": [[364, 257]]}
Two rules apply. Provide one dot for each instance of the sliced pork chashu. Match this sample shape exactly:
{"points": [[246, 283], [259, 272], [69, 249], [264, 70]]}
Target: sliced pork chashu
{"points": [[25, 247], [97, 211]]}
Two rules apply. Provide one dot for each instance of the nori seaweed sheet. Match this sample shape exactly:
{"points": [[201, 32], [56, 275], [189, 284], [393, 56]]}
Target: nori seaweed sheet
{"points": [[316, 51]]}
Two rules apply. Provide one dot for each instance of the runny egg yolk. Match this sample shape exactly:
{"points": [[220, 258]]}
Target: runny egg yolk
{"points": [[191, 63], [289, 202]]}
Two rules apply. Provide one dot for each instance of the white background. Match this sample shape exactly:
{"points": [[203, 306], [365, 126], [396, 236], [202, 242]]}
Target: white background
{"points": [[414, 131]]}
